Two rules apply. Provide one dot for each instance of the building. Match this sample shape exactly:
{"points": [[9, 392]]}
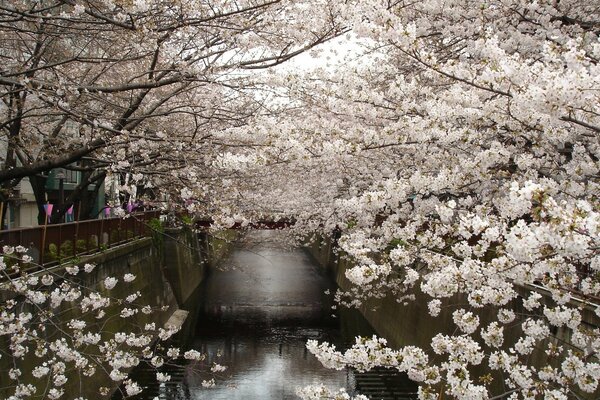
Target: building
{"points": [[21, 209]]}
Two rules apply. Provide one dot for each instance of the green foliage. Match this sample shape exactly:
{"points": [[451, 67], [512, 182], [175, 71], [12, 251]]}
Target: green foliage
{"points": [[80, 246], [156, 225], [157, 232], [396, 243], [187, 219], [115, 236], [52, 253], [66, 249], [93, 242]]}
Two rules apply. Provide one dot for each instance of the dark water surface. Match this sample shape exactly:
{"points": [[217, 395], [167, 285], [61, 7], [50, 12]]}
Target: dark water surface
{"points": [[254, 315]]}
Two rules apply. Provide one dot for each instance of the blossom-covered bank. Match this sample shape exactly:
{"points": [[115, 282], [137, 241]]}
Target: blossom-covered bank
{"points": [[84, 326], [411, 323]]}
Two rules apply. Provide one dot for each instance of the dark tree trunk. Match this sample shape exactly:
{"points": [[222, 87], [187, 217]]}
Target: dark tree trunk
{"points": [[81, 194], [38, 184], [3, 207]]}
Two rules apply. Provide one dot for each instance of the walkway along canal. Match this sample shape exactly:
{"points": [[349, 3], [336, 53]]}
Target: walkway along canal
{"points": [[254, 315]]}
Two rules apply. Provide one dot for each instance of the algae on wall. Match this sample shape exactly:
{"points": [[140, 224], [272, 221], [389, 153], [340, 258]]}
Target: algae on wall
{"points": [[219, 246], [184, 262]]}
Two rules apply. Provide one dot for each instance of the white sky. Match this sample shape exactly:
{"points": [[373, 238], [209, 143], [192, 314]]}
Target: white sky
{"points": [[339, 50]]}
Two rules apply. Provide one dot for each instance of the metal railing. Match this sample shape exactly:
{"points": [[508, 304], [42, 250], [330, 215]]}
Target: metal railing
{"points": [[52, 244]]}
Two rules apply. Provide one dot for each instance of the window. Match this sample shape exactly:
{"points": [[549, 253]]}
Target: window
{"points": [[71, 176]]}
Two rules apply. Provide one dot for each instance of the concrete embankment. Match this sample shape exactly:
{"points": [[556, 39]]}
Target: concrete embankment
{"points": [[411, 324], [167, 271]]}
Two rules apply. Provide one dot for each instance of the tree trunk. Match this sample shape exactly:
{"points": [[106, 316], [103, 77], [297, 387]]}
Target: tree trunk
{"points": [[81, 193], [38, 184]]}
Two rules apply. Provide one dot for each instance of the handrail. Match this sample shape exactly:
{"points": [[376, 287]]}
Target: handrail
{"points": [[51, 244]]}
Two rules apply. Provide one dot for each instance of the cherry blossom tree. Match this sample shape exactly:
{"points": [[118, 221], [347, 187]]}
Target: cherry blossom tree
{"points": [[459, 155], [129, 86], [456, 150], [133, 89]]}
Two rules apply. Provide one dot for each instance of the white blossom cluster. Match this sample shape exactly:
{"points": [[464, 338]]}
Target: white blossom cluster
{"points": [[320, 392], [454, 156], [53, 348]]}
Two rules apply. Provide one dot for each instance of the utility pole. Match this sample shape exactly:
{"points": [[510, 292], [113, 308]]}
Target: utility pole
{"points": [[61, 192]]}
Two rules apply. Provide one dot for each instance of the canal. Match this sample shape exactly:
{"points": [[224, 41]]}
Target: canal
{"points": [[254, 315]]}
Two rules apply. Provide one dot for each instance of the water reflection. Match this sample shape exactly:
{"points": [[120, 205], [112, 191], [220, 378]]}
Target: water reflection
{"points": [[255, 316], [258, 313]]}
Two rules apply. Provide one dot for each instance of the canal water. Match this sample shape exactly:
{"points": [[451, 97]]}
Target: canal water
{"points": [[254, 315]]}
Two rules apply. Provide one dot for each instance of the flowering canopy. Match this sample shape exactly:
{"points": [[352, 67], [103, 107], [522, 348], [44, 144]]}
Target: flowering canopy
{"points": [[135, 87], [460, 157], [458, 153]]}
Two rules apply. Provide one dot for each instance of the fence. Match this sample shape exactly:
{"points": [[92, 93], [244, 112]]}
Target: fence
{"points": [[51, 244]]}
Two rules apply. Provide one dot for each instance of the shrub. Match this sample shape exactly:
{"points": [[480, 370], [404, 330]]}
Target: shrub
{"points": [[115, 236], [52, 253], [81, 246], [93, 242], [157, 231], [66, 249]]}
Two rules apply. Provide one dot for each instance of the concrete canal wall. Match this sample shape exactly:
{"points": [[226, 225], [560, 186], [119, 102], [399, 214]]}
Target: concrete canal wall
{"points": [[411, 324], [168, 270]]}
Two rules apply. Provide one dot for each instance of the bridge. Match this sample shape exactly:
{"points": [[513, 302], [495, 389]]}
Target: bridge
{"points": [[263, 224]]}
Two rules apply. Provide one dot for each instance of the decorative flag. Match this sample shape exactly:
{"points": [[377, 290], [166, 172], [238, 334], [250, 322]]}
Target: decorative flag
{"points": [[69, 217], [48, 208]]}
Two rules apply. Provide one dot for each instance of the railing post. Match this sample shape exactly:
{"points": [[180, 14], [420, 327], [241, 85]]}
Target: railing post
{"points": [[59, 244], [43, 245]]}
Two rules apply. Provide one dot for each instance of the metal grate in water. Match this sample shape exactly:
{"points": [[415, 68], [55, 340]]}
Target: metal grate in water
{"points": [[385, 384]]}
